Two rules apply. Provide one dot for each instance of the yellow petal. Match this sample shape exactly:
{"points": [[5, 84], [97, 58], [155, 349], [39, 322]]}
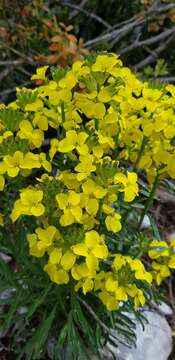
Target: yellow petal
{"points": [[55, 256], [68, 260]]}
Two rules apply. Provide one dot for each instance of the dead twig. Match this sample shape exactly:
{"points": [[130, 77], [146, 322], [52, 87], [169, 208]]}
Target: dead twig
{"points": [[141, 18], [11, 62], [6, 72], [89, 14], [153, 55], [115, 34], [23, 56], [147, 42], [76, 11], [6, 92]]}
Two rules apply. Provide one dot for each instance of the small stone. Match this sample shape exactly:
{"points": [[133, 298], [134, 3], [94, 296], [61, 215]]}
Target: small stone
{"points": [[145, 223]]}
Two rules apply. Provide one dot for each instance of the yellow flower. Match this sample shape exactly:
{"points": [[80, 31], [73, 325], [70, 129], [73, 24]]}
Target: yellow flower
{"points": [[160, 272], [46, 236], [130, 186], [13, 163], [90, 187], [55, 256], [40, 73], [113, 222], [57, 275], [140, 272], [85, 167], [92, 207], [68, 260], [88, 285], [93, 248], [69, 81], [5, 136], [171, 262], [69, 203], [28, 204], [139, 300], [74, 140], [119, 261], [30, 161], [158, 249], [34, 136], [34, 106], [80, 271], [105, 62], [108, 300], [33, 249]]}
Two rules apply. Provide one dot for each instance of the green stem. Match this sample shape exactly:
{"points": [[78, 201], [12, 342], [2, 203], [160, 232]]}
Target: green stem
{"points": [[149, 200], [144, 141], [62, 111]]}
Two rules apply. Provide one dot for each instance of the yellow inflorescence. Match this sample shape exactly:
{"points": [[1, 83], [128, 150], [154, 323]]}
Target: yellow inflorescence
{"points": [[163, 255], [93, 116]]}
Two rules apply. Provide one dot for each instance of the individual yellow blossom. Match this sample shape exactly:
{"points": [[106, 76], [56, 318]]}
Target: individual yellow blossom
{"points": [[28, 204], [85, 167], [34, 106], [105, 63], [40, 121], [69, 81], [160, 272], [55, 255], [68, 260], [108, 300], [46, 236], [105, 141], [5, 136], [69, 179], [93, 248], [30, 161], [34, 136], [130, 186], [12, 164], [80, 271], [90, 187], [158, 249], [33, 249], [140, 272], [113, 222], [40, 73], [57, 274], [139, 299], [69, 203], [74, 140]]}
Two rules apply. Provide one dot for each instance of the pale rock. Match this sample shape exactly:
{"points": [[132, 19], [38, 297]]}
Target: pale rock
{"points": [[153, 343], [145, 223]]}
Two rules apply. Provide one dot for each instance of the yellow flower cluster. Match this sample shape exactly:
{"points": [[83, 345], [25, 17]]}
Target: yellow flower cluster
{"points": [[163, 255], [121, 283], [80, 127]]}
